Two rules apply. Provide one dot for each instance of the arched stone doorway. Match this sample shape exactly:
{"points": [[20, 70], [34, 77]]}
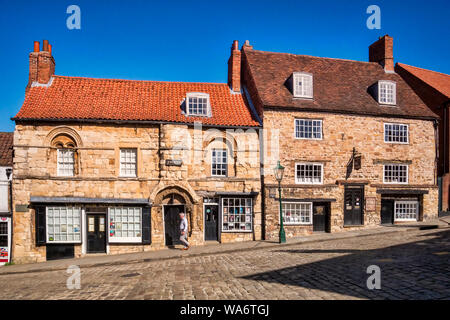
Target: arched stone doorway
{"points": [[167, 205]]}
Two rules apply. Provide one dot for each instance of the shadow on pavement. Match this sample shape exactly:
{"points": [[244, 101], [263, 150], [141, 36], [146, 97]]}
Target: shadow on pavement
{"points": [[416, 270]]}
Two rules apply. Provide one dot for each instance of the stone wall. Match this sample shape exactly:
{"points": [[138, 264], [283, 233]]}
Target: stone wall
{"points": [[342, 133], [98, 174]]}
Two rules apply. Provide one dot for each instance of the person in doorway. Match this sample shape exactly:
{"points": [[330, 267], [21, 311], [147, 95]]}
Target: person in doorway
{"points": [[184, 231]]}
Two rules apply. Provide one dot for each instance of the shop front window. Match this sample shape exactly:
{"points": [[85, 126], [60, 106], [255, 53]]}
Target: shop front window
{"points": [[63, 224], [237, 214], [125, 224], [406, 210]]}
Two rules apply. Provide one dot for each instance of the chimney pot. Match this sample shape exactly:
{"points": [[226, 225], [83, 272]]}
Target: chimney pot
{"points": [[49, 48], [45, 45], [36, 46], [235, 45]]}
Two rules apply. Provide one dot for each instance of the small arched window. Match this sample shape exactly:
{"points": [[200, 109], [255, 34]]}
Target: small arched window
{"points": [[66, 155]]}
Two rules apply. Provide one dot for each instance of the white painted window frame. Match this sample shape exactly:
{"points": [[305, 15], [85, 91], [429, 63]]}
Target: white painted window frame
{"points": [[226, 162], [61, 161], [399, 124], [394, 92], [304, 94], [297, 181], [222, 215], [114, 239], [200, 95], [122, 163], [312, 124], [395, 164], [416, 202], [297, 223], [48, 241]]}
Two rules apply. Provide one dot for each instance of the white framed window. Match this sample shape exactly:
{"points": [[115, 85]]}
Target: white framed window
{"points": [[302, 85], [219, 162], [66, 162], [309, 173], [125, 224], [407, 210], [308, 129], [63, 224], [237, 214], [197, 104], [297, 213], [4, 234], [128, 158], [396, 133], [395, 173], [387, 92]]}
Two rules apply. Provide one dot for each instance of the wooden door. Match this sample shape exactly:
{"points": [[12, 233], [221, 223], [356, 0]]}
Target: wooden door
{"points": [[96, 234], [353, 205]]}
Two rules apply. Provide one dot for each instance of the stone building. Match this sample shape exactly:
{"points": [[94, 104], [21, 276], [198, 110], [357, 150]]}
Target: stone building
{"points": [[357, 143], [104, 165], [434, 89]]}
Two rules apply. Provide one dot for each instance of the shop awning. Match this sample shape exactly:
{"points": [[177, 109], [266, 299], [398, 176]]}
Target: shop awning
{"points": [[402, 191], [82, 200]]}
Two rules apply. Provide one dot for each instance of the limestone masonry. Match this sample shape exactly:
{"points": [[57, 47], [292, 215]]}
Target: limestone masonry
{"points": [[106, 166]]}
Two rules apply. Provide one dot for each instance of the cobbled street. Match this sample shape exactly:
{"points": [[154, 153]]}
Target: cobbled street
{"points": [[414, 265]]}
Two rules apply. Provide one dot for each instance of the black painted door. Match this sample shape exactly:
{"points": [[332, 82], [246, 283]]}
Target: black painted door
{"points": [[172, 224], [211, 222], [387, 211], [96, 235], [320, 217], [353, 205]]}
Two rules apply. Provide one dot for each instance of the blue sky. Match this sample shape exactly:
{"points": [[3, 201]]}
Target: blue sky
{"points": [[191, 40]]}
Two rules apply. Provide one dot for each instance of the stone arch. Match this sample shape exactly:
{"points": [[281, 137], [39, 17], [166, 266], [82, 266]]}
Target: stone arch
{"points": [[177, 194], [173, 194], [65, 132]]}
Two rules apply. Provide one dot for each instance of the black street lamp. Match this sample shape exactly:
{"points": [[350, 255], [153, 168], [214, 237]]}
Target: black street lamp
{"points": [[279, 172]]}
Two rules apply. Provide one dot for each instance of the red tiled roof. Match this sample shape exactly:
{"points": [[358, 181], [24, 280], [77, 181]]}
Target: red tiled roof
{"points": [[74, 98], [6, 149], [437, 80], [339, 85]]}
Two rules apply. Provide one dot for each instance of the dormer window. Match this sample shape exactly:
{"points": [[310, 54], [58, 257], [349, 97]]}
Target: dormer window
{"points": [[387, 92], [302, 85], [197, 104]]}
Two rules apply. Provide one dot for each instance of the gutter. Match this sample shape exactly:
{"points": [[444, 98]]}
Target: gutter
{"points": [[107, 121]]}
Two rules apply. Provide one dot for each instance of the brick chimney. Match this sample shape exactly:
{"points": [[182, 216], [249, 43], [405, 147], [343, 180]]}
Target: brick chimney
{"points": [[234, 68], [382, 52], [42, 64]]}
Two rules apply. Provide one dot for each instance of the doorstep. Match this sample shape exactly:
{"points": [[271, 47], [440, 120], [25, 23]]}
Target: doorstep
{"points": [[195, 251]]}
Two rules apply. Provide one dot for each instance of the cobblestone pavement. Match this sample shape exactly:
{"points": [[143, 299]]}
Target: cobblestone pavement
{"points": [[414, 265]]}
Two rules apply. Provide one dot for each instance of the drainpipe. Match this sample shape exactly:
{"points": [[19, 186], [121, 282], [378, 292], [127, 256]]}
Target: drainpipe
{"points": [[437, 180]]}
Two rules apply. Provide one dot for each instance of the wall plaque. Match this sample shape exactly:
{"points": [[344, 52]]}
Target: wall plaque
{"points": [[174, 162], [371, 203], [21, 208]]}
